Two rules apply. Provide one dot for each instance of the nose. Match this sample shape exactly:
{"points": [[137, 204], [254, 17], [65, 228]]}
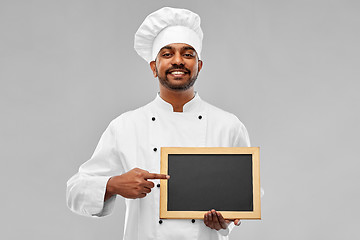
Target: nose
{"points": [[178, 59]]}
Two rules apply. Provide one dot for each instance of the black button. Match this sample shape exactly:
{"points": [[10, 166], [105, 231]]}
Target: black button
{"points": [[160, 221], [153, 118], [200, 117], [158, 185], [155, 149], [193, 220]]}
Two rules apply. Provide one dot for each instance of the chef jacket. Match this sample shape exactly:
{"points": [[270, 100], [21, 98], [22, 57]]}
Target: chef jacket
{"points": [[133, 140]]}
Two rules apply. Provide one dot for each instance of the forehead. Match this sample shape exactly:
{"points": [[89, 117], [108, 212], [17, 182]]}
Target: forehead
{"points": [[177, 47]]}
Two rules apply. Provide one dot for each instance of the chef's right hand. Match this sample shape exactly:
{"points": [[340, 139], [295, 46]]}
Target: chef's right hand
{"points": [[132, 184]]}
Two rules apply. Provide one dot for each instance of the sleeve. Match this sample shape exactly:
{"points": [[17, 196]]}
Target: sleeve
{"points": [[86, 189], [241, 137], [226, 232]]}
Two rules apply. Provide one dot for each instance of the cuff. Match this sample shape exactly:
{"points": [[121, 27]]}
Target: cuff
{"points": [[107, 207], [96, 192], [226, 232]]}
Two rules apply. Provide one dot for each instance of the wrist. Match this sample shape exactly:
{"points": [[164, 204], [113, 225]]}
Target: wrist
{"points": [[110, 189]]}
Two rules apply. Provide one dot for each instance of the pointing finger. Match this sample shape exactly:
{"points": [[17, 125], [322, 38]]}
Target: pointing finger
{"points": [[156, 176]]}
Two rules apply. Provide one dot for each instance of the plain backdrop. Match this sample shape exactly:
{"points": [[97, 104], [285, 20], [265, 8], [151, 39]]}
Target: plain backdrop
{"points": [[289, 69]]}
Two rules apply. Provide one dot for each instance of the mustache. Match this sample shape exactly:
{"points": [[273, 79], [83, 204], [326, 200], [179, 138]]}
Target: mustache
{"points": [[177, 67]]}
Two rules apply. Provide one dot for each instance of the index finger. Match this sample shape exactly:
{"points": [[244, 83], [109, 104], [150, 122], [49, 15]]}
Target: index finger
{"points": [[156, 176]]}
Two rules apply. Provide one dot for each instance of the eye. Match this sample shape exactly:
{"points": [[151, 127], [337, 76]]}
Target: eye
{"points": [[166, 54], [189, 55]]}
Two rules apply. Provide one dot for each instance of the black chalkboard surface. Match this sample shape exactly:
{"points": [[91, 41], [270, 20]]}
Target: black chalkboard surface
{"points": [[201, 179], [201, 182]]}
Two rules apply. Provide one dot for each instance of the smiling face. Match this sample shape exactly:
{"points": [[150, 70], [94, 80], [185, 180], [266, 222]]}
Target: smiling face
{"points": [[177, 66]]}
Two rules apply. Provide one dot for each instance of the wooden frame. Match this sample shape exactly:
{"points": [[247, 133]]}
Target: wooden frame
{"points": [[254, 151]]}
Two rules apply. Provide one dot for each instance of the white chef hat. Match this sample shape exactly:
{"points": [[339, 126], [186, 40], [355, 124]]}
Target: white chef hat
{"points": [[165, 26]]}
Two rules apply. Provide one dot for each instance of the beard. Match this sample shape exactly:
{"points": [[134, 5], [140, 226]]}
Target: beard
{"points": [[185, 86]]}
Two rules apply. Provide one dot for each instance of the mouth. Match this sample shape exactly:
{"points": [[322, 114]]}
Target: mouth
{"points": [[177, 72]]}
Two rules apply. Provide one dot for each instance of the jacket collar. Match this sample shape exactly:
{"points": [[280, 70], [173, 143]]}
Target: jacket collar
{"points": [[194, 105]]}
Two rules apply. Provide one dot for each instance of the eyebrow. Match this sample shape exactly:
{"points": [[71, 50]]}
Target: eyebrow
{"points": [[166, 47], [189, 48], [183, 48]]}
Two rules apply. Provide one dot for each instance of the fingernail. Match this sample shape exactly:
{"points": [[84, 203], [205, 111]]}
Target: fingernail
{"points": [[167, 176]]}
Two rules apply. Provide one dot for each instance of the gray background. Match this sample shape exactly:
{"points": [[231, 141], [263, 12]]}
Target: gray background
{"points": [[288, 69]]}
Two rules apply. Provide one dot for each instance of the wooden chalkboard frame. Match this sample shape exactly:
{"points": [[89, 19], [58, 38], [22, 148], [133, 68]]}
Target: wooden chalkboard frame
{"points": [[254, 151]]}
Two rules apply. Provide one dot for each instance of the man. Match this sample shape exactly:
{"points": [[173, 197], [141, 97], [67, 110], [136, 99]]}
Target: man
{"points": [[126, 161]]}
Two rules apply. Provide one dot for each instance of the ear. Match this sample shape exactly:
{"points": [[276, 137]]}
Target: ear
{"points": [[200, 64], [153, 68]]}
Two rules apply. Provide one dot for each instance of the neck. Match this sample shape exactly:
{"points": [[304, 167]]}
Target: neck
{"points": [[177, 98]]}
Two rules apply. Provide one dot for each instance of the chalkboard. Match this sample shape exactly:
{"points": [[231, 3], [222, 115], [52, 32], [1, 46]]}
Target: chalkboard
{"points": [[201, 179]]}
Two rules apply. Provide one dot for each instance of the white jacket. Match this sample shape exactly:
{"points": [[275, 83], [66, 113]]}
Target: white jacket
{"points": [[130, 141]]}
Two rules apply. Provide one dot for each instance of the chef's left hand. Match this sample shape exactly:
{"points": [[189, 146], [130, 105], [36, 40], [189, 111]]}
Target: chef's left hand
{"points": [[215, 220]]}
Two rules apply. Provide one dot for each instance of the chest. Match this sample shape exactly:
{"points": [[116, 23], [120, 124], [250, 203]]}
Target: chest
{"points": [[178, 130], [143, 136]]}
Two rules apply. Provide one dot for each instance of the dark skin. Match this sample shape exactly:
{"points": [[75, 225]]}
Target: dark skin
{"points": [[132, 184], [176, 54], [177, 65]]}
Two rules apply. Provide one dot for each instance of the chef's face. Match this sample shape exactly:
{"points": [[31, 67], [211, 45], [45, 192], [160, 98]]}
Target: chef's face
{"points": [[177, 66]]}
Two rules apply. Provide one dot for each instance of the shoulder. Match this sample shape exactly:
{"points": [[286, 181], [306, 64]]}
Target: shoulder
{"points": [[227, 122], [221, 115], [130, 117]]}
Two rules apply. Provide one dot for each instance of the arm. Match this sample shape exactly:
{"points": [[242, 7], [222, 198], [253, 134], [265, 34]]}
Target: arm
{"points": [[92, 191], [86, 189]]}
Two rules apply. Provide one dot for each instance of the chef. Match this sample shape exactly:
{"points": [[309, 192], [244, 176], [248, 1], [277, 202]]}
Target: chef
{"points": [[126, 161]]}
